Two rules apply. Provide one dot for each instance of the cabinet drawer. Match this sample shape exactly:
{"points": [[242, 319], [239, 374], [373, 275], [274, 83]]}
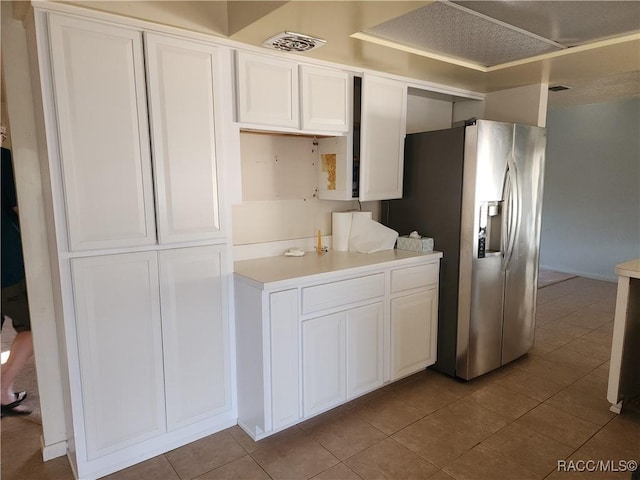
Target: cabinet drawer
{"points": [[414, 277], [344, 292]]}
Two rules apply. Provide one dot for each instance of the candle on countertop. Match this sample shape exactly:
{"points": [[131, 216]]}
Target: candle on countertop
{"points": [[319, 246]]}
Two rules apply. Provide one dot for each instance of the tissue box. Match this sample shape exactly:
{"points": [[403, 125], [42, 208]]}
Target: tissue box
{"points": [[423, 244]]}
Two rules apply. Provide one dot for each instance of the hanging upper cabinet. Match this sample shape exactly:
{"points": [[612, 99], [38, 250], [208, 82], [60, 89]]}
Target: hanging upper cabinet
{"points": [[325, 99], [368, 163], [382, 133], [267, 91], [98, 73], [181, 80], [273, 94]]}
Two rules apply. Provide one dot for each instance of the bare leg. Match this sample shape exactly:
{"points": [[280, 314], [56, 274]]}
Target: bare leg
{"points": [[21, 353]]}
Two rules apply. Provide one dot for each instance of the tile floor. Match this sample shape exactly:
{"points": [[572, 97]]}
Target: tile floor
{"points": [[514, 423]]}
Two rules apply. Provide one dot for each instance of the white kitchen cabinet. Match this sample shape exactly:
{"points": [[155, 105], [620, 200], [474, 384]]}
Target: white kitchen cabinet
{"points": [[414, 319], [119, 350], [382, 133], [181, 77], [365, 352], [148, 342], [273, 93], [368, 163], [267, 91], [98, 73], [325, 99], [324, 363], [318, 331], [285, 363], [195, 332]]}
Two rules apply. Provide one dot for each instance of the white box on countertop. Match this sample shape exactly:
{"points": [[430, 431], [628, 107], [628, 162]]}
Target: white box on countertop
{"points": [[422, 244]]}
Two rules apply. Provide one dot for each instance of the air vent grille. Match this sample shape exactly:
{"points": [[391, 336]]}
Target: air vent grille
{"points": [[293, 42]]}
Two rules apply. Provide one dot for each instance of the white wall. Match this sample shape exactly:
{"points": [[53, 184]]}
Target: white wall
{"points": [[591, 211]]}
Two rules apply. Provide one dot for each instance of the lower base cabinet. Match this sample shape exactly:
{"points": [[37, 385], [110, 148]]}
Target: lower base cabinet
{"points": [[414, 319], [153, 350], [306, 346]]}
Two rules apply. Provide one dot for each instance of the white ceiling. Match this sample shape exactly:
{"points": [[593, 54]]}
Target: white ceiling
{"points": [[483, 46]]}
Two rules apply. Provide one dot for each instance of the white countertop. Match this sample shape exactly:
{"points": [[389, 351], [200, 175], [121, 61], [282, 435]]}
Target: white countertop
{"points": [[629, 269], [281, 268]]}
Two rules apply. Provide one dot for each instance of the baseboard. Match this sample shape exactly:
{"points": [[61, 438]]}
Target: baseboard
{"points": [[55, 450], [591, 275]]}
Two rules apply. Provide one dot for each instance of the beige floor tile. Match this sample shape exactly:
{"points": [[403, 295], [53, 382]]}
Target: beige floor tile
{"points": [[562, 328], [530, 449], [345, 435], [580, 361], [618, 440], [602, 370], [389, 459], [152, 469], [588, 348], [338, 472], [503, 401], [586, 399], [592, 316], [542, 348], [557, 339], [441, 475], [561, 426], [446, 434], [388, 413], [533, 386], [482, 463], [561, 373], [205, 454], [245, 441], [426, 395], [293, 456], [22, 457], [602, 335], [244, 468]]}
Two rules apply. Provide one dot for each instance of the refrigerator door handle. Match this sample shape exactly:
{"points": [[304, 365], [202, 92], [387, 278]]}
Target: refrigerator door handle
{"points": [[511, 214]]}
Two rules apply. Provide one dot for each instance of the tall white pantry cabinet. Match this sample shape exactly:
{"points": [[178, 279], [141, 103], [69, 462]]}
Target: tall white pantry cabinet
{"points": [[142, 243]]}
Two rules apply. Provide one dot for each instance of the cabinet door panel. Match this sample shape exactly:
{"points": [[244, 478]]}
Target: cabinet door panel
{"points": [[181, 93], [383, 128], [323, 350], [267, 90], [326, 99], [364, 349], [98, 73], [195, 333], [413, 332], [285, 364], [120, 349]]}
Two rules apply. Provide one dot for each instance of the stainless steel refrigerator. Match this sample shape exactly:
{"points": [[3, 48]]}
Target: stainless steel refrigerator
{"points": [[477, 190]]}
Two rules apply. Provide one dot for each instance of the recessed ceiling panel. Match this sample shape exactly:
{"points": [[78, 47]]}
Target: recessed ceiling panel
{"points": [[448, 30], [569, 23]]}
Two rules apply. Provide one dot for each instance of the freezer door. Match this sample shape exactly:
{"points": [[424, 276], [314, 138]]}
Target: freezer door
{"points": [[521, 257]]}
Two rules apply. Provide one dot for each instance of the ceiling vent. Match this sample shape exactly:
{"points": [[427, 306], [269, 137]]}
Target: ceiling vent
{"points": [[293, 42], [558, 88]]}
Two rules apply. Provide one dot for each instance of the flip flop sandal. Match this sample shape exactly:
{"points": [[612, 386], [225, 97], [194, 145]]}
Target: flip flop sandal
{"points": [[12, 409]]}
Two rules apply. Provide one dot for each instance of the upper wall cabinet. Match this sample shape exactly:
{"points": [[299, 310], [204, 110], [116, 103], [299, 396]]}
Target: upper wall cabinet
{"points": [[382, 132], [267, 91], [368, 163], [272, 93], [181, 79], [107, 143], [326, 99], [98, 72]]}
